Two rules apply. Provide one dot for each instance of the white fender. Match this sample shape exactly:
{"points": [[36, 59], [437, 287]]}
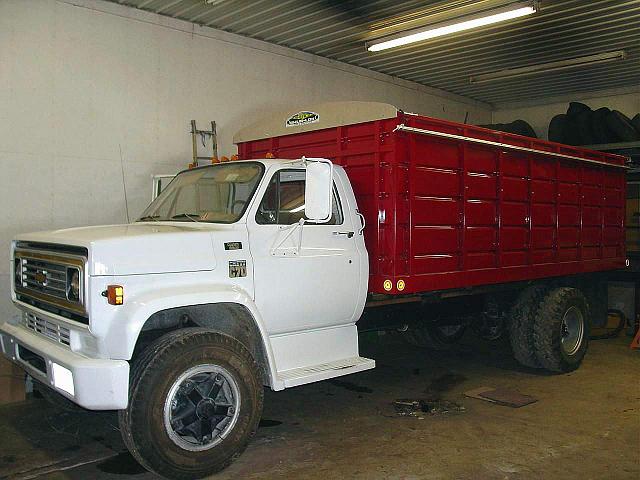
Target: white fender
{"points": [[139, 308]]}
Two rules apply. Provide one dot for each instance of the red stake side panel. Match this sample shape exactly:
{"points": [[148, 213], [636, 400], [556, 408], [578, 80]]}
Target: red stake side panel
{"points": [[470, 206]]}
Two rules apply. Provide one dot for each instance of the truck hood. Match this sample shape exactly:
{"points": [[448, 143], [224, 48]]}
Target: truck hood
{"points": [[140, 248]]}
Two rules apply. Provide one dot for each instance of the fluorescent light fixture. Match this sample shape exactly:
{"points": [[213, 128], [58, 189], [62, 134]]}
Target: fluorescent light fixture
{"points": [[556, 66], [63, 378], [467, 22]]}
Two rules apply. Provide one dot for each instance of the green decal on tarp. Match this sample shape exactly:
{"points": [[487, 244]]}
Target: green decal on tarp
{"points": [[302, 118]]}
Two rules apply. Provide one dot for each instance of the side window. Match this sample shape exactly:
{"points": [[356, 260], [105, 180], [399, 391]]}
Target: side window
{"points": [[283, 201]]}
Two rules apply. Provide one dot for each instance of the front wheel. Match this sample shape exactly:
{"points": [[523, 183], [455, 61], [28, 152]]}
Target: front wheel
{"points": [[195, 401]]}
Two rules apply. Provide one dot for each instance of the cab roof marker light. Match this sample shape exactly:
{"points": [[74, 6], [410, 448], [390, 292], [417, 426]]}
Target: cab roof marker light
{"points": [[467, 22]]}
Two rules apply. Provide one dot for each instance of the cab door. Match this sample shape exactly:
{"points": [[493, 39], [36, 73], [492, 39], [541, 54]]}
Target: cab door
{"points": [[306, 275]]}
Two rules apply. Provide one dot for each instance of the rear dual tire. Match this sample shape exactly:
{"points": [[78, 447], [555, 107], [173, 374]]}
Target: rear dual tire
{"points": [[561, 330], [550, 328]]}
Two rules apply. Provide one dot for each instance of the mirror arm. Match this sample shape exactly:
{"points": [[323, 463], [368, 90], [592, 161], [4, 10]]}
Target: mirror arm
{"points": [[301, 223], [362, 221], [291, 228]]}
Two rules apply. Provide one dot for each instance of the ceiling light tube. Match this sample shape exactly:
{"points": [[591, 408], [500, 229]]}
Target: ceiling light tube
{"points": [[556, 66], [467, 22]]}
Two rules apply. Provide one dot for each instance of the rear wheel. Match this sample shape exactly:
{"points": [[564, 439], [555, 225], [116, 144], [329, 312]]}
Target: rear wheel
{"points": [[195, 402], [561, 330], [435, 336], [521, 325]]}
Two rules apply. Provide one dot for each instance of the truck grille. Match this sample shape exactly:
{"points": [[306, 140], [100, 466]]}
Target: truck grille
{"points": [[52, 278], [48, 328], [45, 277]]}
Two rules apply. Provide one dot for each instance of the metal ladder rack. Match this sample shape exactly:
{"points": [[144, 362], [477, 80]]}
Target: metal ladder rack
{"points": [[204, 134]]}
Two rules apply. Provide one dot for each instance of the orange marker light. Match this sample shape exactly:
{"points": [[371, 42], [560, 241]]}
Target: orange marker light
{"points": [[115, 294], [269, 155]]}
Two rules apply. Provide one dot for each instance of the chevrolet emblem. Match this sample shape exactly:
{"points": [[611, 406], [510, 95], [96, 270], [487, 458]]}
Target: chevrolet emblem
{"points": [[41, 278]]}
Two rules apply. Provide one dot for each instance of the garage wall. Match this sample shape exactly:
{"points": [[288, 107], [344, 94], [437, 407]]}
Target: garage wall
{"points": [[539, 116], [92, 92]]}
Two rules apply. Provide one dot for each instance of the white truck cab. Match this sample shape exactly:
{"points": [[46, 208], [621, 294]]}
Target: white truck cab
{"points": [[237, 275]]}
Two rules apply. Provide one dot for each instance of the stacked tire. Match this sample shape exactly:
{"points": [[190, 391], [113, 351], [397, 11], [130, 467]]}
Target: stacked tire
{"points": [[583, 126], [519, 127]]}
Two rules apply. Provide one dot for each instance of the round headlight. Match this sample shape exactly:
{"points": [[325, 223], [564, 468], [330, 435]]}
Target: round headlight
{"points": [[73, 284]]}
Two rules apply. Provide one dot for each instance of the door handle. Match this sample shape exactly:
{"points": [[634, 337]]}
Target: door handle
{"points": [[347, 234]]}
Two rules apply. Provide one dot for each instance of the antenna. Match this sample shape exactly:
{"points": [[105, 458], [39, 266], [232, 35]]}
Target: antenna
{"points": [[124, 185]]}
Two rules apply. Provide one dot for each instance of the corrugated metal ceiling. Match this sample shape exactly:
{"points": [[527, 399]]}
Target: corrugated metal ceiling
{"points": [[338, 29]]}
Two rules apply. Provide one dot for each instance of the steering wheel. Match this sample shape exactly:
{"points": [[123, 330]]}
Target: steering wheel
{"points": [[237, 202]]}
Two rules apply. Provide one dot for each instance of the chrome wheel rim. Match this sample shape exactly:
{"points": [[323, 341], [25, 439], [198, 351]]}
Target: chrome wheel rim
{"points": [[572, 330], [202, 407]]}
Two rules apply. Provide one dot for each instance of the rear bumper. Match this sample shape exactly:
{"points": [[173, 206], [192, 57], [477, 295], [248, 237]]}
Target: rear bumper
{"points": [[95, 384]]}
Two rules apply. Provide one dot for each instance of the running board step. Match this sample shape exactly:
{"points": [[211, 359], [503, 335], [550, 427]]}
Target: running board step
{"points": [[316, 373]]}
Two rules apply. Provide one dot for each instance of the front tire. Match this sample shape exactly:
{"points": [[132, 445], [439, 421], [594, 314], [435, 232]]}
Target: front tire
{"points": [[195, 402]]}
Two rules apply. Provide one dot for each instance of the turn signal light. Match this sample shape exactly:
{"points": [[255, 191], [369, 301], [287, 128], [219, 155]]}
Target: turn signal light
{"points": [[115, 294]]}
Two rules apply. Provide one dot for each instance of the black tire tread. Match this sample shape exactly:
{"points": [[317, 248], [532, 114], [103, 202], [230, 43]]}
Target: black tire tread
{"points": [[557, 127], [576, 108], [137, 368], [551, 307], [635, 121], [153, 356], [601, 132], [621, 125], [521, 325]]}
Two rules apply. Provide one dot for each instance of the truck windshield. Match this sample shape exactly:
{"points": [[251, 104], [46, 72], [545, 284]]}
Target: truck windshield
{"points": [[216, 194]]}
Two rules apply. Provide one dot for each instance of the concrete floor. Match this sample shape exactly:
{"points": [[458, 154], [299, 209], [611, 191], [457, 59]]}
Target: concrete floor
{"points": [[585, 424]]}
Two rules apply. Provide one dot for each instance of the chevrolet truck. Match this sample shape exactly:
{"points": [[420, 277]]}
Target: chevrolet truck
{"points": [[253, 273]]}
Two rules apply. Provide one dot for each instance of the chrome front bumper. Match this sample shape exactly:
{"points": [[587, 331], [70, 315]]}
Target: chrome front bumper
{"points": [[95, 384]]}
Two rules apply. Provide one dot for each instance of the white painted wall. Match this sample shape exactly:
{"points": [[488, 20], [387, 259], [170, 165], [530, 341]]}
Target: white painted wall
{"points": [[90, 90], [539, 116]]}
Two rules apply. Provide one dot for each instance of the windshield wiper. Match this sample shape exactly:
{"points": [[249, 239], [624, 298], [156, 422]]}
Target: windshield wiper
{"points": [[191, 216], [149, 217]]}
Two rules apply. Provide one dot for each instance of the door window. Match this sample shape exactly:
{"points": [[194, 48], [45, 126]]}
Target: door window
{"points": [[283, 202]]}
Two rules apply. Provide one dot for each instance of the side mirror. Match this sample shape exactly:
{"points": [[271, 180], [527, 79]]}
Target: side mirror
{"points": [[318, 193]]}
